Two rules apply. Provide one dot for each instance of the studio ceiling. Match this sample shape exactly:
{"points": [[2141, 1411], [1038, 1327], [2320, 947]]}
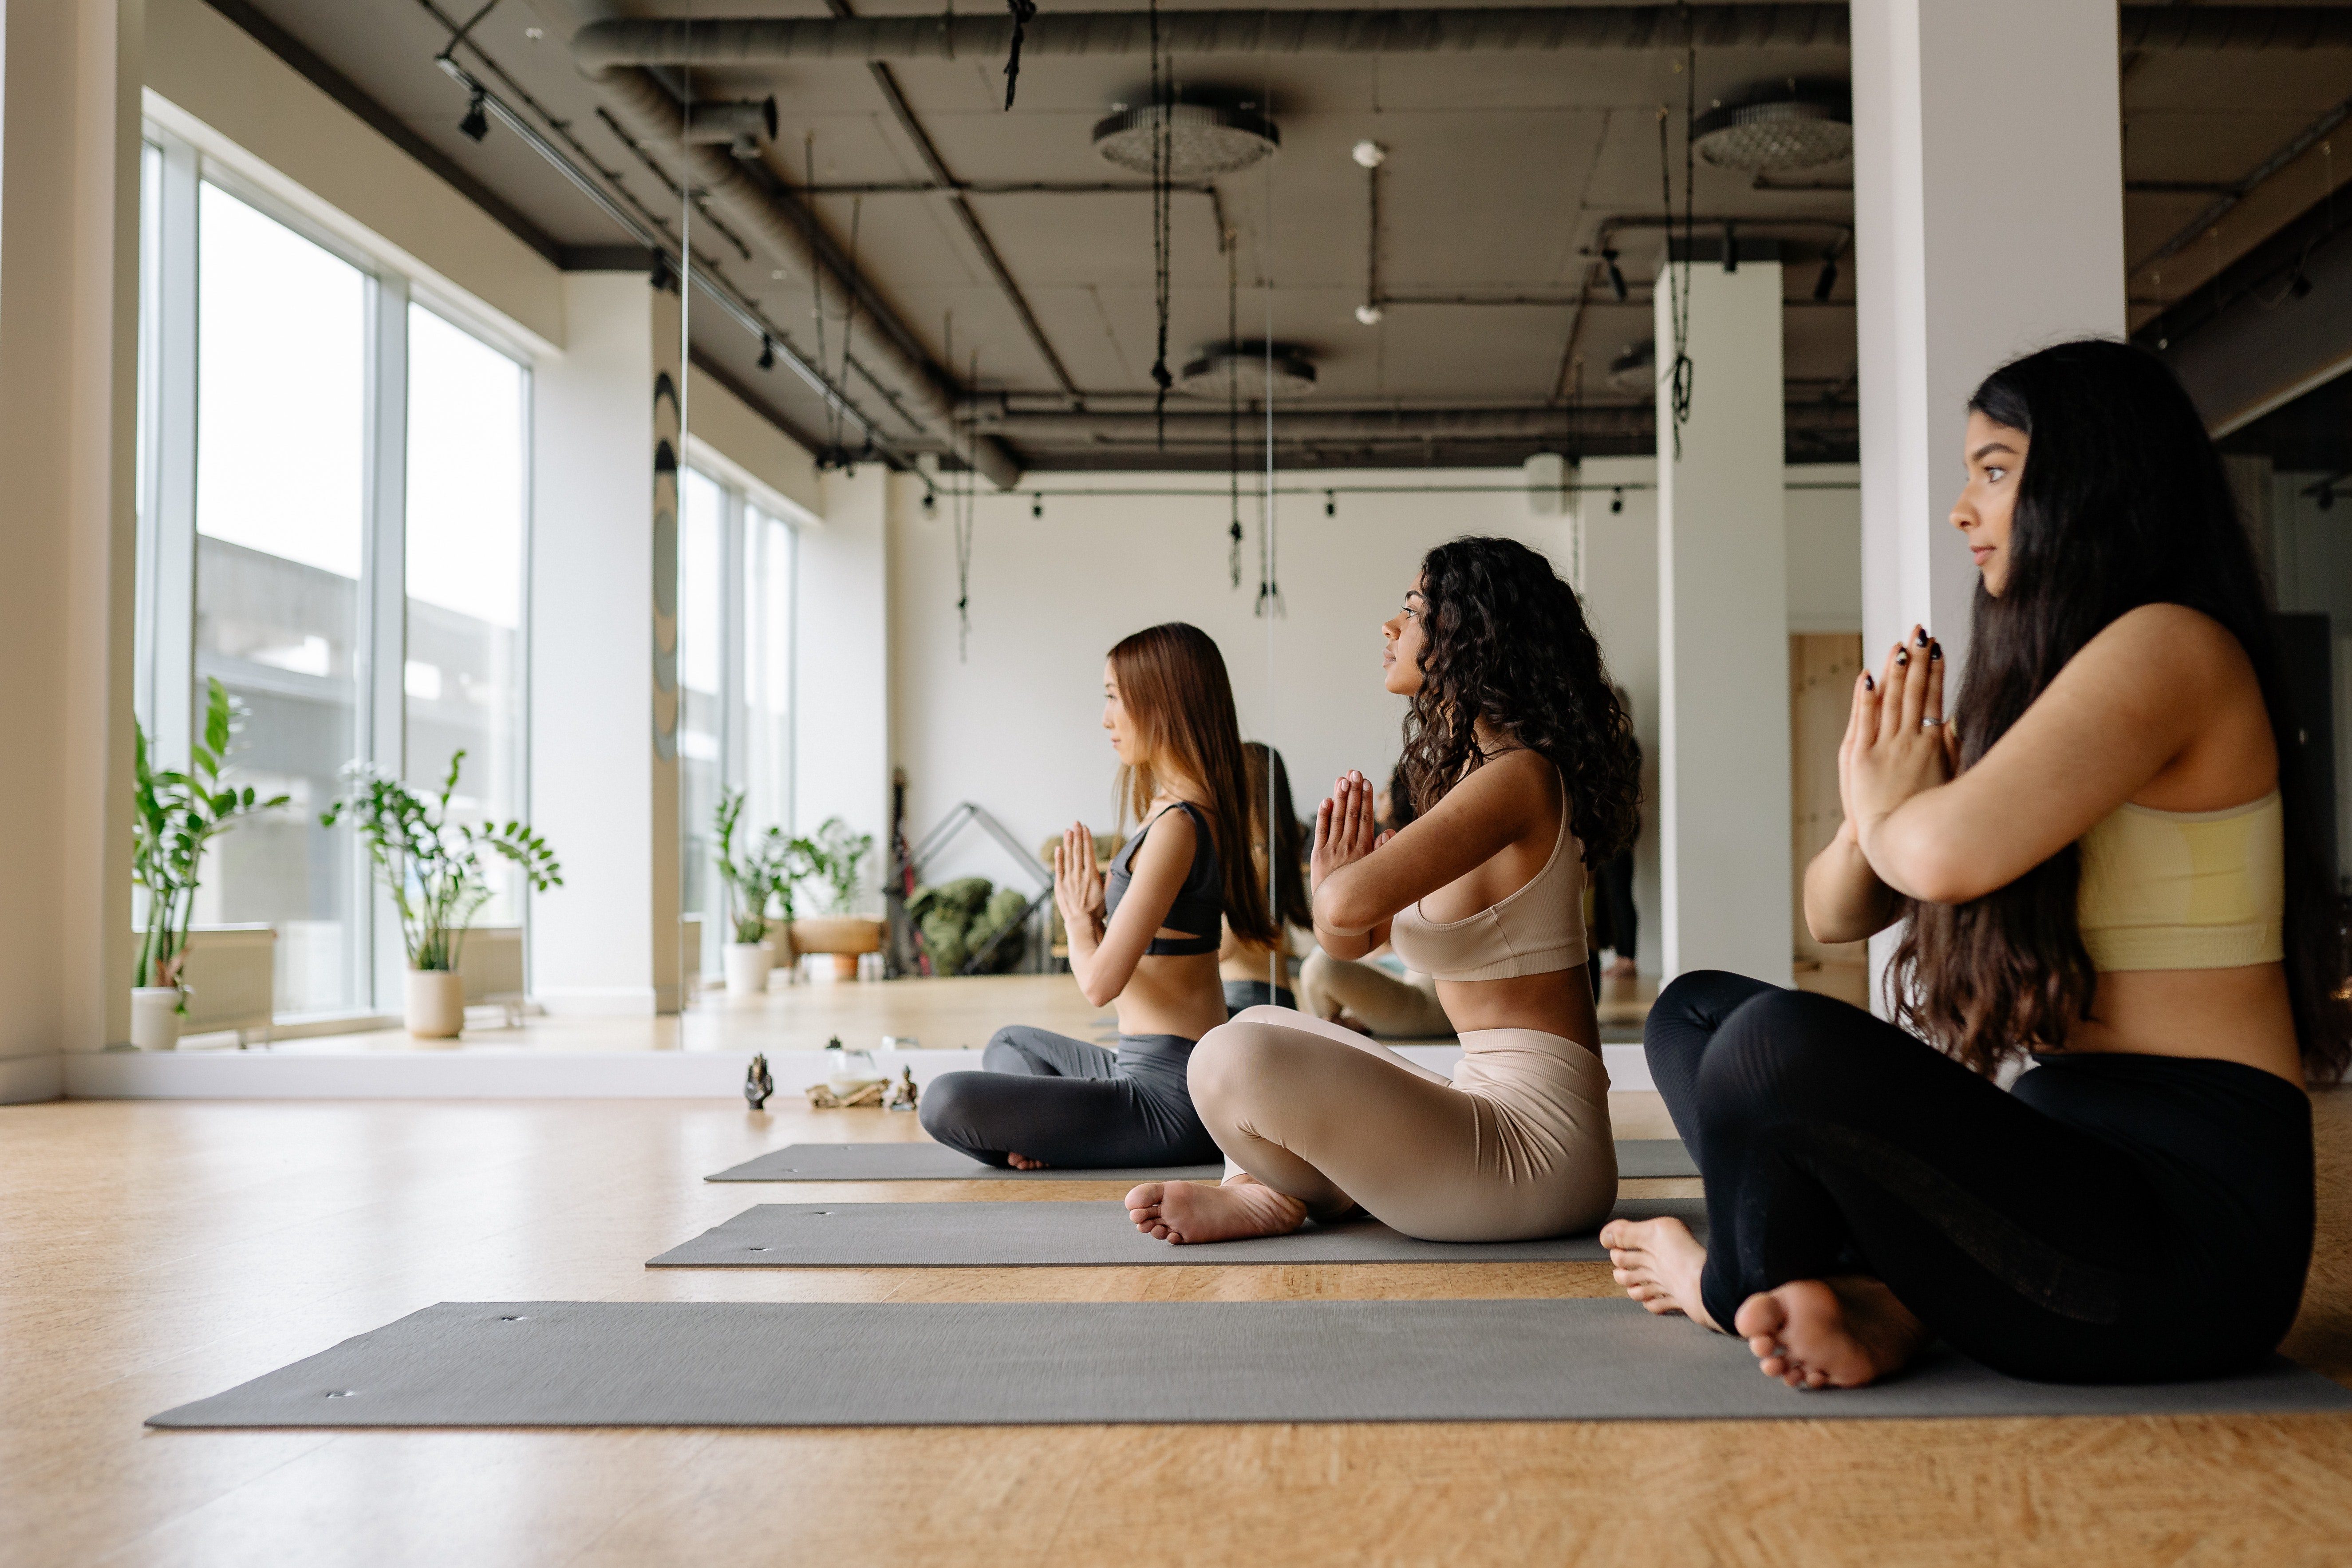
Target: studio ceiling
{"points": [[1502, 170]]}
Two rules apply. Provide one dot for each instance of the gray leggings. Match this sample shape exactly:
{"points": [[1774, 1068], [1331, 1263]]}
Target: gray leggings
{"points": [[1070, 1104]]}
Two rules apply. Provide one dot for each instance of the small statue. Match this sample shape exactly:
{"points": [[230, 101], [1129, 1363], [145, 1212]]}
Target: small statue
{"points": [[758, 1085], [900, 1095]]}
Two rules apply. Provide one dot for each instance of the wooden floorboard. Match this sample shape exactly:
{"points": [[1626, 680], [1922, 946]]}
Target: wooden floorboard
{"points": [[159, 1252]]}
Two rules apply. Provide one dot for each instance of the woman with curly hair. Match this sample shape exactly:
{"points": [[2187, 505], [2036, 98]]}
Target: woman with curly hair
{"points": [[2103, 867], [1521, 764]]}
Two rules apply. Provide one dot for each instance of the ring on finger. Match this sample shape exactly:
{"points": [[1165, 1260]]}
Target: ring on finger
{"points": [[1929, 723]]}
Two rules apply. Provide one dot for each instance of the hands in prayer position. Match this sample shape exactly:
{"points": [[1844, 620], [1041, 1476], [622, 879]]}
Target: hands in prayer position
{"points": [[1897, 743]]}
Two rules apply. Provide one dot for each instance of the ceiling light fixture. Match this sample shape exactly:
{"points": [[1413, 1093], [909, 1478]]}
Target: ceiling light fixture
{"points": [[477, 125], [1205, 137], [1790, 127], [1616, 274], [1635, 368], [1224, 369], [1370, 155], [767, 353], [1369, 314]]}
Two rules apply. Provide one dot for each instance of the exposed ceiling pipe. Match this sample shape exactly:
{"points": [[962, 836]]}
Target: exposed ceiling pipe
{"points": [[755, 41], [1188, 428], [641, 101]]}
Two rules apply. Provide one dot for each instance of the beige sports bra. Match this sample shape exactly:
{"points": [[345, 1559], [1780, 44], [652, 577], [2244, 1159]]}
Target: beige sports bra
{"points": [[2185, 889], [1536, 930]]}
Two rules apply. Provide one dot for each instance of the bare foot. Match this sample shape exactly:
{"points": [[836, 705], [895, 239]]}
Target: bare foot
{"points": [[1829, 1333], [1187, 1211], [1024, 1162], [1659, 1261], [1348, 1020]]}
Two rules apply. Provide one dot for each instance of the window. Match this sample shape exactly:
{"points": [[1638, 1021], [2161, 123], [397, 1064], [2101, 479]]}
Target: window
{"points": [[461, 676], [735, 563], [282, 330], [332, 519]]}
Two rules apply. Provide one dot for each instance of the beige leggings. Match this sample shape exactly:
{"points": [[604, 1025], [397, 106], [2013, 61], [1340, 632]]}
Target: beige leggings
{"points": [[1517, 1146], [1397, 1009]]}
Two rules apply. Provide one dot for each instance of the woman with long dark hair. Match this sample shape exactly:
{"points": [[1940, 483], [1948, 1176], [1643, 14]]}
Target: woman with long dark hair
{"points": [[2102, 864], [1146, 940], [1260, 974], [1520, 767]]}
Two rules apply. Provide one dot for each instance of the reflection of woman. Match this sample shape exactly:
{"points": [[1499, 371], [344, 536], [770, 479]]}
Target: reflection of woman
{"points": [[1147, 940], [1517, 757], [1247, 967], [2102, 862]]}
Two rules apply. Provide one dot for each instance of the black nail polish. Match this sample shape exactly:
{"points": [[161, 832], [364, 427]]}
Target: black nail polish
{"points": [[1868, 684], [1935, 653], [1920, 633], [1903, 658]]}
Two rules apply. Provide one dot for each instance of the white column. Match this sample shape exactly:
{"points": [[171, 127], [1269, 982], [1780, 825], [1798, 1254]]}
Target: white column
{"points": [[842, 707], [603, 671], [68, 402], [1988, 222], [1723, 632]]}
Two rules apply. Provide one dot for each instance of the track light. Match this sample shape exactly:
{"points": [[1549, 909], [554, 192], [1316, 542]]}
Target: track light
{"points": [[477, 125], [768, 362], [660, 279], [1616, 277], [1616, 502], [1825, 284], [1036, 505], [930, 503], [1730, 248], [1369, 314], [1331, 503]]}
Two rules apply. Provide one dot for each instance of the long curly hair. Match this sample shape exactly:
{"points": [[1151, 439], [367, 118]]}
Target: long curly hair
{"points": [[2122, 501], [1507, 642]]}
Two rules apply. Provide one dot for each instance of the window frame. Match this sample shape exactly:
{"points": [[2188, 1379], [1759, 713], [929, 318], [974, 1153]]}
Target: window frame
{"points": [[164, 677]]}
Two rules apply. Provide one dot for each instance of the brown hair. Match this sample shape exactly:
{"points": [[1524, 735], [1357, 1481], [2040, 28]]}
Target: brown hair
{"points": [[1171, 680], [2121, 502], [1290, 835]]}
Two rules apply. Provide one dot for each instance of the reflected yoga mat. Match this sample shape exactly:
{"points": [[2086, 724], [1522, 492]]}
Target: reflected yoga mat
{"points": [[759, 1364], [1055, 1235], [1638, 1159]]}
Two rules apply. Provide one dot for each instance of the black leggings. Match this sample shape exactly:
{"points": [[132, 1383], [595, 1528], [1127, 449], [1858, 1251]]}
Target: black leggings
{"points": [[1070, 1104], [2112, 1219]]}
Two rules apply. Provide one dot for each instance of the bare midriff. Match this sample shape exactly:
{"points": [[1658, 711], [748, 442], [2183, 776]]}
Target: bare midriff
{"points": [[2229, 1015], [1179, 995], [1560, 1003]]}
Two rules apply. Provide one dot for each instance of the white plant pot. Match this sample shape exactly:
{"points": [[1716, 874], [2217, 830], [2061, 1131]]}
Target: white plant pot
{"points": [[436, 1004], [748, 963], [155, 1018]]}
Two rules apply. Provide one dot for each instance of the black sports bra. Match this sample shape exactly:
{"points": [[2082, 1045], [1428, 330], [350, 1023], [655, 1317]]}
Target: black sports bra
{"points": [[1199, 903]]}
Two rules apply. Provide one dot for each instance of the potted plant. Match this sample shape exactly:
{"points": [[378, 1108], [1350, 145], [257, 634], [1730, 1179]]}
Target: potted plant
{"points": [[836, 860], [760, 875], [175, 815], [434, 869]]}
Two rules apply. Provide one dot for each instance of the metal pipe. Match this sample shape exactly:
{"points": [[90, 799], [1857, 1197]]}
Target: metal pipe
{"points": [[639, 98], [603, 45]]}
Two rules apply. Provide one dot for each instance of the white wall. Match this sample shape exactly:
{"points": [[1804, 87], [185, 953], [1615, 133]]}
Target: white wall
{"points": [[1824, 518], [1017, 728], [68, 313], [843, 688]]}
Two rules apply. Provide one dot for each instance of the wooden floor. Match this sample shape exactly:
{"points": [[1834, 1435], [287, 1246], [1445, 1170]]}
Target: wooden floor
{"points": [[155, 1253]]}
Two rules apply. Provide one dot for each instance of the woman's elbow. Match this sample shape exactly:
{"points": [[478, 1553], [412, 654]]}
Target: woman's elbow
{"points": [[1335, 911]]}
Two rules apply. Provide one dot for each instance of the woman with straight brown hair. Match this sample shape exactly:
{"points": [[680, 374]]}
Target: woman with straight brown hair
{"points": [[1249, 968], [1145, 942]]}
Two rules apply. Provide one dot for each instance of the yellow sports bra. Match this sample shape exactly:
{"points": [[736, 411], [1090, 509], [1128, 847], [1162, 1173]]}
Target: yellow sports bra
{"points": [[2185, 889]]}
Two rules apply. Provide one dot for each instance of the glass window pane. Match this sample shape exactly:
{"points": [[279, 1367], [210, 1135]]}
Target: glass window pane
{"points": [[467, 448], [280, 474], [768, 669], [701, 643]]}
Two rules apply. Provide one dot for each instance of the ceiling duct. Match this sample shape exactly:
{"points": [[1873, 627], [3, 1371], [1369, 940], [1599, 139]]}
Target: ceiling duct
{"points": [[755, 41], [723, 123], [1206, 137], [1249, 368], [1777, 130]]}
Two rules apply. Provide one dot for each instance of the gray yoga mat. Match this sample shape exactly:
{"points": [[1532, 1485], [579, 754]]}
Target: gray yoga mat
{"points": [[1638, 1159], [760, 1363], [1062, 1234]]}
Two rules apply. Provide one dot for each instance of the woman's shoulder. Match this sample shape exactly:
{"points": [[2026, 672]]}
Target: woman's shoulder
{"points": [[2166, 652]]}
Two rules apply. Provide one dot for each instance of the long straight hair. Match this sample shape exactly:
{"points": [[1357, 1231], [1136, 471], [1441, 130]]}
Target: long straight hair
{"points": [[1288, 851], [2122, 501], [1172, 682]]}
